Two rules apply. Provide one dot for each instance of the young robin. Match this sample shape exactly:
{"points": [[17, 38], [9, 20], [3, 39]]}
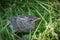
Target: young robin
{"points": [[21, 23]]}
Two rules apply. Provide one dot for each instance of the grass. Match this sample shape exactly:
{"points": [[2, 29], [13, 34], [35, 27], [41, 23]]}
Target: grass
{"points": [[47, 28]]}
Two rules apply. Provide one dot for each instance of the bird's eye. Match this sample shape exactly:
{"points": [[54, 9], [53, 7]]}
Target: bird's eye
{"points": [[31, 19]]}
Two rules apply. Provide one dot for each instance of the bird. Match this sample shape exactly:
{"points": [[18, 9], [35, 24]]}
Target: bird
{"points": [[22, 23]]}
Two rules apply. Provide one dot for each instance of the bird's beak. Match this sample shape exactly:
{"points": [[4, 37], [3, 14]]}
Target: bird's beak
{"points": [[36, 19]]}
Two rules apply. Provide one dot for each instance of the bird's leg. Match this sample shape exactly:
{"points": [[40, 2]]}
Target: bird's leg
{"points": [[19, 38]]}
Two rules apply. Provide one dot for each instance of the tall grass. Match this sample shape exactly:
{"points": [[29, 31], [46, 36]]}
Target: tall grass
{"points": [[47, 28]]}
